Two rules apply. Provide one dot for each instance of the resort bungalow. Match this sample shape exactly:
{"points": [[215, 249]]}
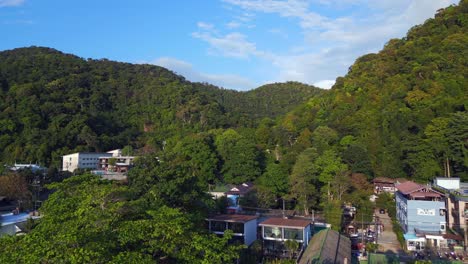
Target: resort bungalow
{"points": [[276, 231], [244, 227]]}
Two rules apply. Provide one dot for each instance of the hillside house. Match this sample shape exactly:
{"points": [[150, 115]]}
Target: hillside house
{"points": [[244, 227], [383, 184], [276, 231], [421, 213]]}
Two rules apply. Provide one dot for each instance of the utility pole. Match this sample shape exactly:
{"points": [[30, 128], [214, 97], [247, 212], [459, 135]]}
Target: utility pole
{"points": [[362, 229], [313, 221], [376, 228], [283, 206]]}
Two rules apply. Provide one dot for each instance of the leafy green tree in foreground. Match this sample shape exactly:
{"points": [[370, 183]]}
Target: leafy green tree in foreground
{"points": [[87, 220]]}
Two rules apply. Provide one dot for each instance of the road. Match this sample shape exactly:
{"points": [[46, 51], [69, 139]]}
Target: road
{"points": [[387, 240]]}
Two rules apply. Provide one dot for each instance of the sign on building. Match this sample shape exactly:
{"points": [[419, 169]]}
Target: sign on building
{"points": [[425, 211]]}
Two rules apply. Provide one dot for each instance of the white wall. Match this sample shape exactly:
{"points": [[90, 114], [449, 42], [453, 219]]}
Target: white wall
{"points": [[250, 231], [70, 162], [115, 152], [79, 160], [448, 183]]}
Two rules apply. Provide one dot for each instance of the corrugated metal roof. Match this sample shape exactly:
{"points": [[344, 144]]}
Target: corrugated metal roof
{"points": [[409, 187], [327, 246]]}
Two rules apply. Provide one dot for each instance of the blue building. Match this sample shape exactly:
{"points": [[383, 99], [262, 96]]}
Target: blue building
{"points": [[421, 213], [9, 223]]}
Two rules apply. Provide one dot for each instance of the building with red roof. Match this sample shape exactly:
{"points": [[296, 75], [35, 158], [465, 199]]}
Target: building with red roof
{"points": [[383, 184], [421, 212], [276, 231]]}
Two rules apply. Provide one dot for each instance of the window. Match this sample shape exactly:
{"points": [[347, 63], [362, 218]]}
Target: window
{"points": [[442, 212], [217, 226], [442, 227], [272, 232], [290, 233], [236, 227]]}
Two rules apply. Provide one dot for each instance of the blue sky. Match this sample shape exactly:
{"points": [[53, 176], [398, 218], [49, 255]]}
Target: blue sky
{"points": [[235, 44]]}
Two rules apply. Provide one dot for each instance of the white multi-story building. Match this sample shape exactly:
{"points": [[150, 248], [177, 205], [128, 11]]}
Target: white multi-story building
{"points": [[456, 202], [82, 160]]}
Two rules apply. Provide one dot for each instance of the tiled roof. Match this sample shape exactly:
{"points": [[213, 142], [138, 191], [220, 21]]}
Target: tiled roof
{"points": [[233, 218], [409, 187], [401, 180], [285, 222], [383, 180]]}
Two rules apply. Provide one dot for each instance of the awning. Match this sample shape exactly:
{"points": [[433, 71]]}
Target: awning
{"points": [[453, 237], [413, 237]]}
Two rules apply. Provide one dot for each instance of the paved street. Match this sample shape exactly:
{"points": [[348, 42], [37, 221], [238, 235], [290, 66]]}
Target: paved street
{"points": [[387, 240]]}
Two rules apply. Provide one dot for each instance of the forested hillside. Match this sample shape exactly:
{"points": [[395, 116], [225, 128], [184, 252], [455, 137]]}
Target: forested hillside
{"points": [[403, 111], [54, 103]]}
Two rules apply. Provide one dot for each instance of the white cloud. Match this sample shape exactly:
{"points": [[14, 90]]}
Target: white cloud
{"points": [[289, 8], [4, 3], [233, 45], [229, 81], [205, 26], [233, 24], [279, 32], [325, 84], [331, 44]]}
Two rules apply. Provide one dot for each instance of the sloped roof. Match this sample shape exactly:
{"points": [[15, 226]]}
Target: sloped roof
{"points": [[234, 218], [409, 187], [327, 246], [401, 180], [383, 180], [241, 188], [275, 221]]}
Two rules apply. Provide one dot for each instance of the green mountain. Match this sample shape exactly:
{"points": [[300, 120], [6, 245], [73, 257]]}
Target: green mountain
{"points": [[57, 103], [400, 112], [403, 110]]}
